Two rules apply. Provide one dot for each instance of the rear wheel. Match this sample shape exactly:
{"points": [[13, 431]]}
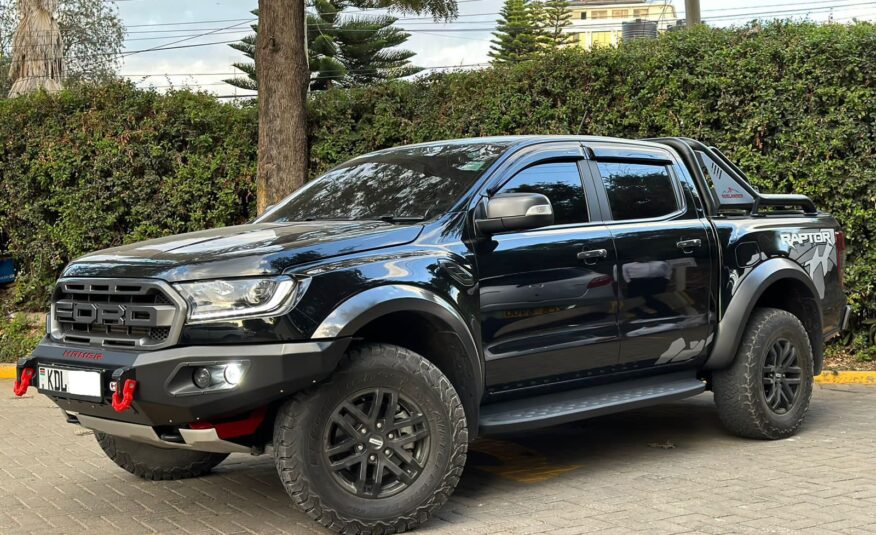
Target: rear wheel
{"points": [[765, 393], [376, 449], [150, 462]]}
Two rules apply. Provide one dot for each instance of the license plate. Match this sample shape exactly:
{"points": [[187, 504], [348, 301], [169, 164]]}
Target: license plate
{"points": [[66, 382]]}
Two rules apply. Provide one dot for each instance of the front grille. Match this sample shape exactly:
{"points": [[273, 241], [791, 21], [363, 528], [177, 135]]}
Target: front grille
{"points": [[120, 313]]}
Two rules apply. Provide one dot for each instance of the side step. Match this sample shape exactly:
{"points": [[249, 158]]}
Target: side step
{"points": [[562, 407]]}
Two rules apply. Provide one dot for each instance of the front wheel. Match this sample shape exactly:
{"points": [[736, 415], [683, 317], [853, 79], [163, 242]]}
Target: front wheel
{"points": [[376, 449], [765, 393]]}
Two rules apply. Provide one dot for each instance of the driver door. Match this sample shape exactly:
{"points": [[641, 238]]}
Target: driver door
{"points": [[548, 296]]}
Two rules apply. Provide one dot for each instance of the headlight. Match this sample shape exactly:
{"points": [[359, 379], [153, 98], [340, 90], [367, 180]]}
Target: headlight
{"points": [[231, 299]]}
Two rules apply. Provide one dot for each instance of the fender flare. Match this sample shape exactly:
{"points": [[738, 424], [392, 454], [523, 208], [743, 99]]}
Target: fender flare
{"points": [[735, 319], [364, 307]]}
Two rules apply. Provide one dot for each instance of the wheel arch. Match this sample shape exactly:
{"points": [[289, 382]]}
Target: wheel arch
{"points": [[419, 320], [777, 283]]}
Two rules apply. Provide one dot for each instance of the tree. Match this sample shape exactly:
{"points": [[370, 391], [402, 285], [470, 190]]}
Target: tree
{"points": [[366, 46], [283, 75], [247, 46], [517, 36], [37, 49], [342, 49], [93, 35], [556, 17]]}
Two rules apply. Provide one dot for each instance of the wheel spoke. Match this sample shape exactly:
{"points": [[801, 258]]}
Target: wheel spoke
{"points": [[789, 394], [391, 406], [794, 370], [399, 472], [374, 413], [354, 411], [341, 448], [379, 468], [348, 428], [350, 461], [363, 478], [413, 437], [408, 422], [793, 380], [772, 395], [788, 356]]}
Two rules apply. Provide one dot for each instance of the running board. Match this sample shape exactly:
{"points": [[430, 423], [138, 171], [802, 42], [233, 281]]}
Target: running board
{"points": [[568, 406]]}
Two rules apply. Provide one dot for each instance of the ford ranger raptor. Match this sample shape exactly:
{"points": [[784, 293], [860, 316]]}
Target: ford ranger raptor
{"points": [[371, 325]]}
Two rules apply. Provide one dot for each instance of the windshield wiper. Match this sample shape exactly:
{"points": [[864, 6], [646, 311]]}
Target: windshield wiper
{"points": [[402, 218]]}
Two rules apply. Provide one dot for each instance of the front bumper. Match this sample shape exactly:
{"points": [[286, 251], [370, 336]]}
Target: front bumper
{"points": [[273, 372]]}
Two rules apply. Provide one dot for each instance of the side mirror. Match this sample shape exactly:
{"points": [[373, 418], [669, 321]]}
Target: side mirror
{"points": [[514, 211]]}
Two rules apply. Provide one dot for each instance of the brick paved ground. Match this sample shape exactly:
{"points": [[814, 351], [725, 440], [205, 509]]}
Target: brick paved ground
{"points": [[668, 469]]}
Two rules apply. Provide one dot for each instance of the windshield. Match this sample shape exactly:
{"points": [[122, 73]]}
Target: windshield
{"points": [[408, 183]]}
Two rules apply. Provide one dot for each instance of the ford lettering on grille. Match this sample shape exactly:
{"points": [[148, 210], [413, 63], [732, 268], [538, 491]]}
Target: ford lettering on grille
{"points": [[124, 313], [107, 314]]}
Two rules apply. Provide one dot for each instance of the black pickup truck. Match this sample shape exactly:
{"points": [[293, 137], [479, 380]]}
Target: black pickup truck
{"points": [[370, 326]]}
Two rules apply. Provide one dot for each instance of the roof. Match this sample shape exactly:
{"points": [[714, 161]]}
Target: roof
{"points": [[521, 140]]}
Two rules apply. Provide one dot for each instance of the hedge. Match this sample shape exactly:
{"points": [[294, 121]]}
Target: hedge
{"points": [[793, 103], [101, 166]]}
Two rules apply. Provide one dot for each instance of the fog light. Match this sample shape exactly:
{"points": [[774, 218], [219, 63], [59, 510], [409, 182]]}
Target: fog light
{"points": [[202, 377], [233, 373]]}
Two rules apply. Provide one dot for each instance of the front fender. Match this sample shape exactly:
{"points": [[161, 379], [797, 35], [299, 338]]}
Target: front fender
{"points": [[735, 318], [356, 312]]}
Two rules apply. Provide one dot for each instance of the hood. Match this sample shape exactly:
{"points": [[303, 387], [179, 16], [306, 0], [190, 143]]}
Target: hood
{"points": [[241, 251]]}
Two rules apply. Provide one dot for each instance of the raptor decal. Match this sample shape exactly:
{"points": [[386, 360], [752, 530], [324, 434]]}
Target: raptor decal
{"points": [[814, 250]]}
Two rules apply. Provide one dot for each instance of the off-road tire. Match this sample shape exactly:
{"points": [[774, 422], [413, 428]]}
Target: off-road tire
{"points": [[156, 464], [300, 431], [739, 389]]}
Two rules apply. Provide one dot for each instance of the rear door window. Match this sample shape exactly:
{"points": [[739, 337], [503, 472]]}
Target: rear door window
{"points": [[638, 191]]}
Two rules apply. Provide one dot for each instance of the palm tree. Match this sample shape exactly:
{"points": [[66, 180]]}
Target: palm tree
{"points": [[37, 49]]}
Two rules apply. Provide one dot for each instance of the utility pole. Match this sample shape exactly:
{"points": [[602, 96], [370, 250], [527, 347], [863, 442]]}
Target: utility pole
{"points": [[692, 11]]}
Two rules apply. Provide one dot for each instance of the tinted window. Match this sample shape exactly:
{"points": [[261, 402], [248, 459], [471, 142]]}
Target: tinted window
{"points": [[637, 191], [408, 182], [559, 182]]}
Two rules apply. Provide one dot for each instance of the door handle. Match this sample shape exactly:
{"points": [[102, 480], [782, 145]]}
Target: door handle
{"points": [[686, 245], [590, 257]]}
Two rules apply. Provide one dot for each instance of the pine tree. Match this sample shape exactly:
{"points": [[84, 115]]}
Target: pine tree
{"points": [[517, 33], [556, 17], [323, 49], [247, 46], [342, 49], [367, 46]]}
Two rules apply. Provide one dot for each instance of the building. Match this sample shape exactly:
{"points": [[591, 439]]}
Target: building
{"points": [[600, 22]]}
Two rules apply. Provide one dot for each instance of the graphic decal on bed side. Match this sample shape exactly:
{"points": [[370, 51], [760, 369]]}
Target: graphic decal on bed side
{"points": [[814, 250]]}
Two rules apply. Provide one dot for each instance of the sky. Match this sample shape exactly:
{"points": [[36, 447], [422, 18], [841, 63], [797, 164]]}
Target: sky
{"points": [[463, 42]]}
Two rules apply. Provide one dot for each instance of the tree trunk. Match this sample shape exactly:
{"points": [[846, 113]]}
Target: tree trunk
{"points": [[281, 67]]}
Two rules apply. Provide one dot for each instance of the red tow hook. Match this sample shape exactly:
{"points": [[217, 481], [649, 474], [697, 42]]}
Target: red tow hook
{"points": [[123, 402], [19, 388]]}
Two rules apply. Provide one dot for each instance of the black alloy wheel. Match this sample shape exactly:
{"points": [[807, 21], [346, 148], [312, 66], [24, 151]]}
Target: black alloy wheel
{"points": [[765, 392], [782, 376], [376, 443]]}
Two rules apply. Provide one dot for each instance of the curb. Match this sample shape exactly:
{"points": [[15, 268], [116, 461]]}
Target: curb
{"points": [[7, 371], [846, 378]]}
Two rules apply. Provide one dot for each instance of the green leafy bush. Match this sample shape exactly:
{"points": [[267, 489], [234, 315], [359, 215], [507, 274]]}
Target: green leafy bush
{"points": [[19, 335], [96, 167], [793, 104]]}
